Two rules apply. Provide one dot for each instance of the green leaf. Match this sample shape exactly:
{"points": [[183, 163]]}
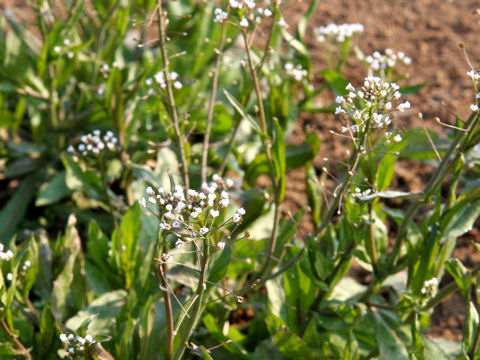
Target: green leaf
{"points": [[298, 155], [219, 264], [432, 351], [393, 194], [53, 190], [47, 329], [85, 181], [389, 344], [303, 23], [461, 276], [257, 167], [105, 308], [201, 352], [386, 166], [289, 344], [335, 81], [465, 215], [243, 112], [125, 244], [411, 90], [13, 212], [470, 329], [61, 289]]}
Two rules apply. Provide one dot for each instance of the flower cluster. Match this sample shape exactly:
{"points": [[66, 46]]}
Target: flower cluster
{"points": [[474, 75], [297, 72], [241, 4], [220, 15], [380, 62], [7, 255], [191, 214], [358, 193], [93, 144], [337, 33], [371, 103], [160, 80], [430, 287], [76, 346], [246, 8]]}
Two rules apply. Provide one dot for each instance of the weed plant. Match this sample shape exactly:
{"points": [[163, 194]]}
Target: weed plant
{"points": [[144, 161]]}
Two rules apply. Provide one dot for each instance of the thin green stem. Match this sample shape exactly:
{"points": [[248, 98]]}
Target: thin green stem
{"points": [[268, 151], [211, 102], [371, 248], [172, 108], [187, 332]]}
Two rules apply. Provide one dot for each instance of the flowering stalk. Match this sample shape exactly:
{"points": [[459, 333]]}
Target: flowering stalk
{"points": [[172, 108], [211, 102], [268, 151], [187, 332]]}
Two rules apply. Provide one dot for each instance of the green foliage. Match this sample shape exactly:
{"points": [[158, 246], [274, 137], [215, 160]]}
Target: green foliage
{"points": [[85, 272]]}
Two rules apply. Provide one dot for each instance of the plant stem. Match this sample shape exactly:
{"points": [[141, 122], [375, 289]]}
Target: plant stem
{"points": [[268, 151], [168, 304], [22, 350], [372, 251], [187, 332], [211, 103], [172, 108]]}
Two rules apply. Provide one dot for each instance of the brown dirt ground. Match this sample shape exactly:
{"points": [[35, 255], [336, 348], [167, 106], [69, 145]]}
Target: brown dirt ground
{"points": [[428, 31]]}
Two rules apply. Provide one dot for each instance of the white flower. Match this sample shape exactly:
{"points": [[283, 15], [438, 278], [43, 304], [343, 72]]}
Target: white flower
{"points": [[397, 138], [214, 213], [150, 191], [179, 244], [237, 218], [9, 276], [244, 23], [228, 183], [165, 226], [89, 339], [177, 85], [267, 13], [221, 245], [282, 23], [403, 106], [474, 107], [204, 230], [224, 203], [63, 338]]}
